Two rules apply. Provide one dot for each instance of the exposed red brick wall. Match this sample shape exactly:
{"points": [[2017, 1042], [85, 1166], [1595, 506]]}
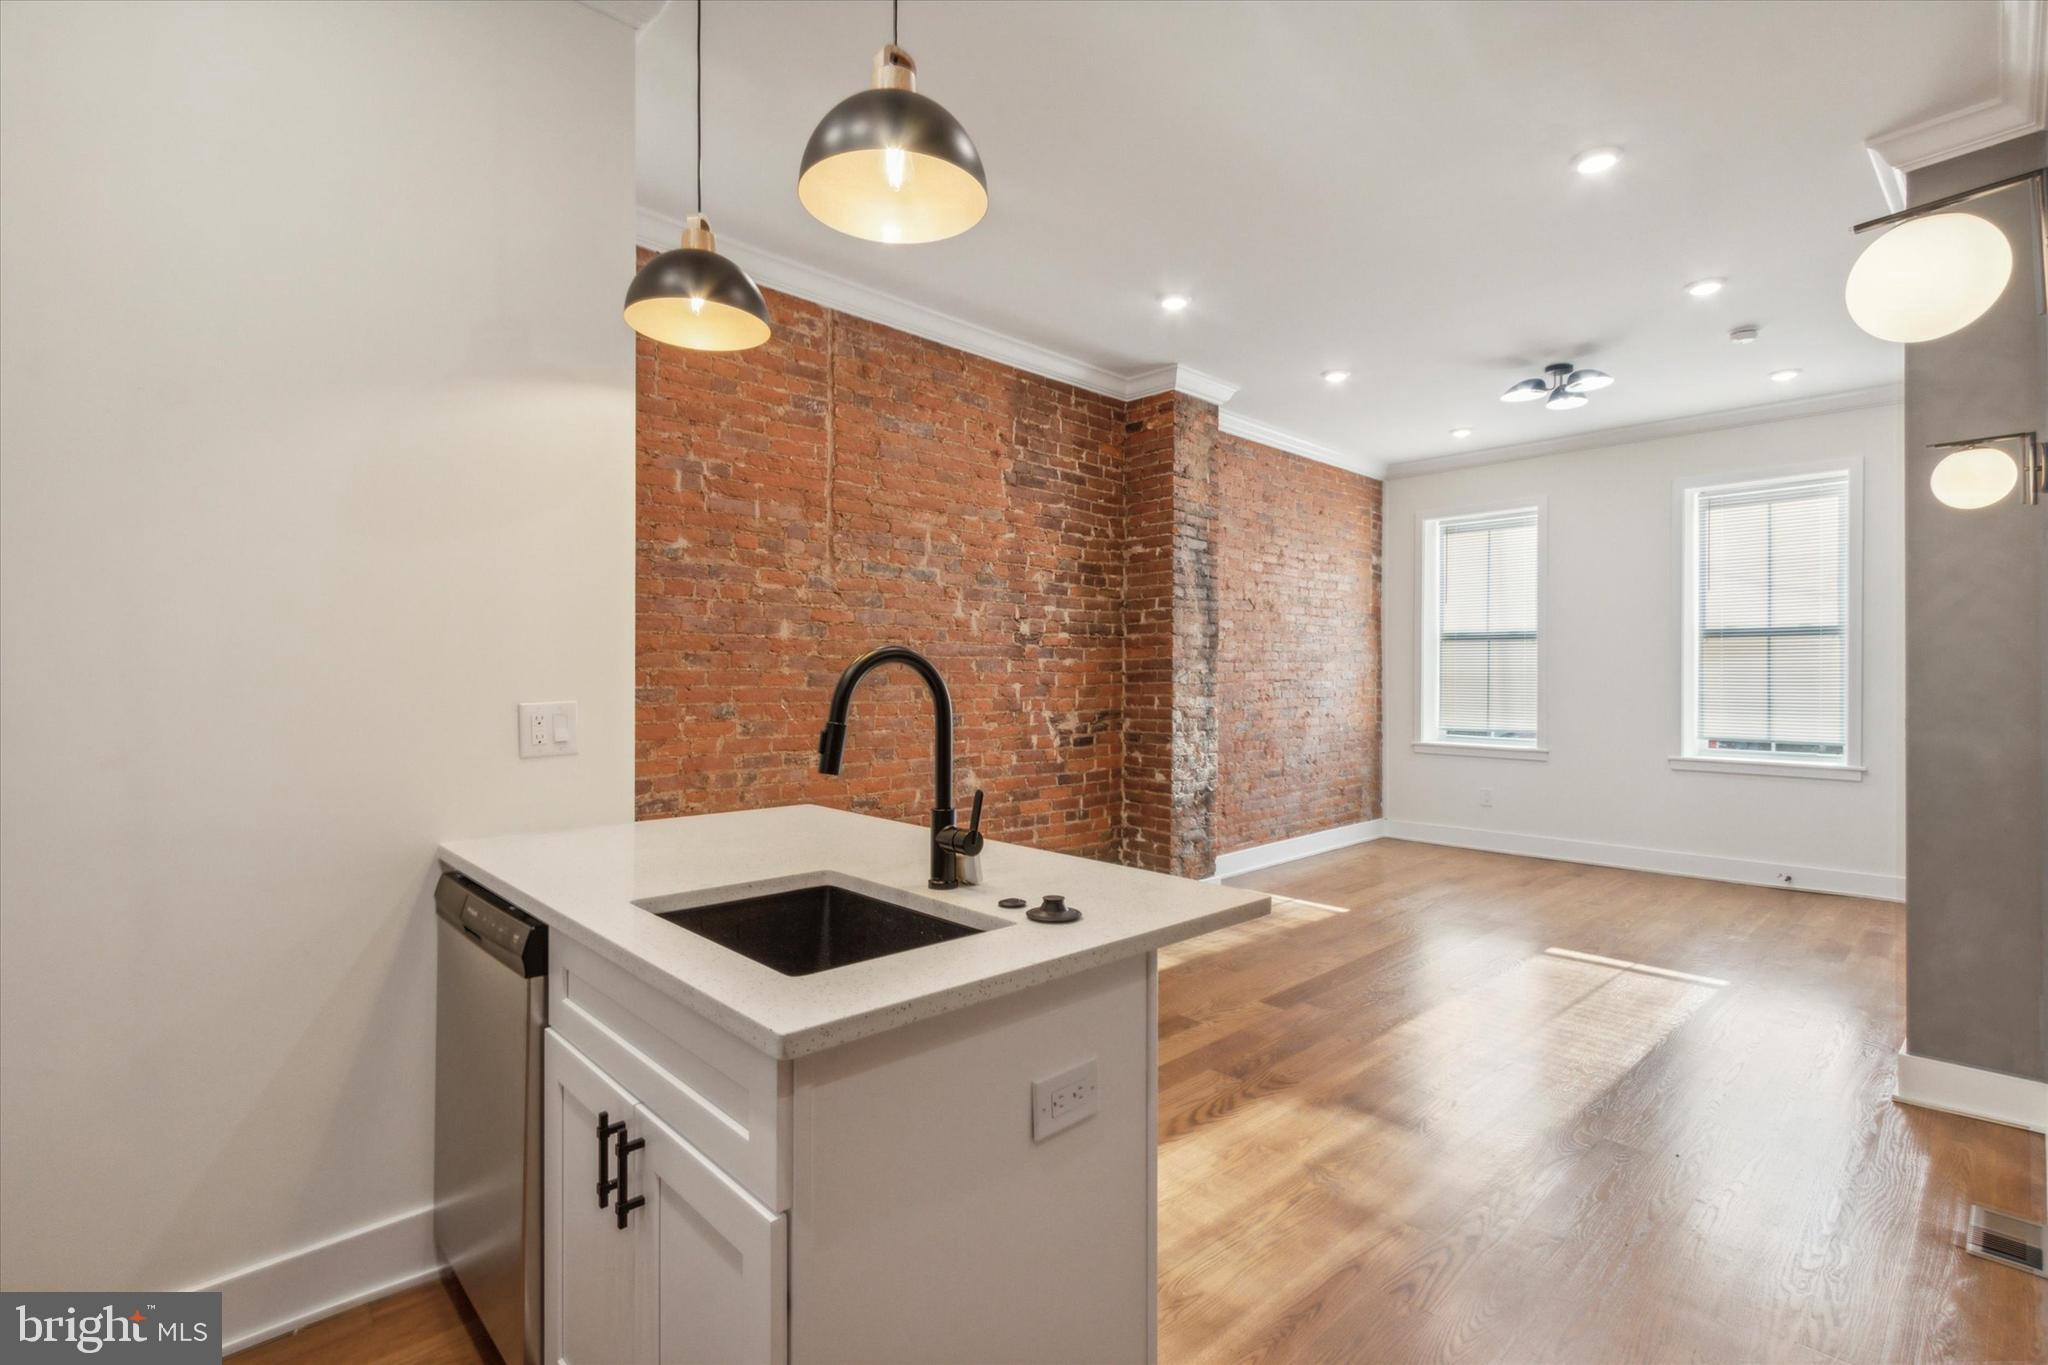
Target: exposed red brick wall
{"points": [[1065, 558], [1147, 835], [1298, 666], [848, 485]]}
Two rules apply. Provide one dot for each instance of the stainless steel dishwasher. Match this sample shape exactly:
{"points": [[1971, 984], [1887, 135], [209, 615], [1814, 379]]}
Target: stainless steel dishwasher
{"points": [[490, 1012]]}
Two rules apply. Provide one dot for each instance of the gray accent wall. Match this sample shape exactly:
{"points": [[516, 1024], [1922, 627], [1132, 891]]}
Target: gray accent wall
{"points": [[1977, 672]]}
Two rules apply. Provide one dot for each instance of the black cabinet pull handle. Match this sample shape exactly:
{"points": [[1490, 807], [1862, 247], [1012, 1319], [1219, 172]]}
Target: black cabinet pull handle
{"points": [[624, 1149], [605, 1184]]}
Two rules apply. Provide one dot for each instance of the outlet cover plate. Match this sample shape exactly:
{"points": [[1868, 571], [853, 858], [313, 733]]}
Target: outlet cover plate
{"points": [[547, 729], [1059, 1102]]}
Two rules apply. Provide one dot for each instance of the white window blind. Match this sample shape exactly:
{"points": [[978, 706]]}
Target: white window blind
{"points": [[1486, 628], [1770, 619]]}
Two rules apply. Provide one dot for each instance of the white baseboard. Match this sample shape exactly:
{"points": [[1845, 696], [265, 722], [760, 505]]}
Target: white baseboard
{"points": [[1834, 880], [1301, 846], [1957, 1089], [286, 1292]]}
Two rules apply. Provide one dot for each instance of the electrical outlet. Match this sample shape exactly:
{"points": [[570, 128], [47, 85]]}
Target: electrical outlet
{"points": [[547, 728], [1059, 1102], [1486, 796]]}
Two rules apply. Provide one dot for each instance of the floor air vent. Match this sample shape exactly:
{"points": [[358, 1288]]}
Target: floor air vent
{"points": [[2003, 1238]]}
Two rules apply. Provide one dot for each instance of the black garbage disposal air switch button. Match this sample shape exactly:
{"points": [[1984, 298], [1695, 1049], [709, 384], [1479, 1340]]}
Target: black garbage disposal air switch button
{"points": [[1054, 910], [1013, 902]]}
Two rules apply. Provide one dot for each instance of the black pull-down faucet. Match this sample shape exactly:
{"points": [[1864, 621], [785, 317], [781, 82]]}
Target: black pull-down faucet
{"points": [[951, 845]]}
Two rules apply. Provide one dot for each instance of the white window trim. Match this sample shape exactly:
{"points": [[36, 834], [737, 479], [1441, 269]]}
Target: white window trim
{"points": [[1687, 758], [1425, 741]]}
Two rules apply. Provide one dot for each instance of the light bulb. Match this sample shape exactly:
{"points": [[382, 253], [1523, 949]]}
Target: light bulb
{"points": [[696, 306], [1705, 289], [1785, 376], [1599, 161], [1334, 377], [1974, 478], [1460, 433], [1174, 303], [895, 166], [1928, 277]]}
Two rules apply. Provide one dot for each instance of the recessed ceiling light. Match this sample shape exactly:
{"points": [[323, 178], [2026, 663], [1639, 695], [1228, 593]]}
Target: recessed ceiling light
{"points": [[1174, 303], [1599, 161], [1705, 289], [1335, 376], [1742, 336], [1785, 376], [1460, 433]]}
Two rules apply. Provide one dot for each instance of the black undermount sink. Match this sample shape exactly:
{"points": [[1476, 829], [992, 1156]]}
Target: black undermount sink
{"points": [[815, 928]]}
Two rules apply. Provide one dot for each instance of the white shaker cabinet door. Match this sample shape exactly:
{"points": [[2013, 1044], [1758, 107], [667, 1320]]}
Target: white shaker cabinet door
{"points": [[722, 1259], [600, 1297]]}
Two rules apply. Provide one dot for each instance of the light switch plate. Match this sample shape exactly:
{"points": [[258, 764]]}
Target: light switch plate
{"points": [[547, 728], [1059, 1102]]}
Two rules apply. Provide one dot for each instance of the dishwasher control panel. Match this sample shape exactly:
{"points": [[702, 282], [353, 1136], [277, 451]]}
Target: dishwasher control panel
{"points": [[513, 938]]}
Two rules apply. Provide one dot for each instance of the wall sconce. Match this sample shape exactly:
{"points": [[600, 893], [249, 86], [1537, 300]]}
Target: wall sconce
{"points": [[1939, 272], [1976, 473]]}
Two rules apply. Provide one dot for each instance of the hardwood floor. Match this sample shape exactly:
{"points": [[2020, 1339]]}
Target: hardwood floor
{"points": [[428, 1325], [1446, 1105], [1458, 1106]]}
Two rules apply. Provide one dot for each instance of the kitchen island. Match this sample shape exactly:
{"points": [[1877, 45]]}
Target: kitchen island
{"points": [[939, 1152]]}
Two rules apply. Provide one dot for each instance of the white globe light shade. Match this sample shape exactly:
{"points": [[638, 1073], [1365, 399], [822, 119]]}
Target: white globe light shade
{"points": [[1974, 478], [1929, 277]]}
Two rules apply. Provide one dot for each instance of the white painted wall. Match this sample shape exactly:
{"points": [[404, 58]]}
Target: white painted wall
{"points": [[316, 458], [1611, 640]]}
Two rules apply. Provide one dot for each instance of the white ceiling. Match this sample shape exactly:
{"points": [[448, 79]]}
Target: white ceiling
{"points": [[1384, 187]]}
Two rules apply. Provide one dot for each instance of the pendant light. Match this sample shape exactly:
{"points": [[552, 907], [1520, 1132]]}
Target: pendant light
{"points": [[1937, 272], [890, 165], [693, 297]]}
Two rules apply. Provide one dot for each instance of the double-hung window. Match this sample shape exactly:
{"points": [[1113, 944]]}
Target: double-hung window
{"points": [[1481, 630], [1771, 609]]}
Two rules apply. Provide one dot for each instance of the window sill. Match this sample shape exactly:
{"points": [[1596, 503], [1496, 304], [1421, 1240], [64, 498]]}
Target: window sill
{"points": [[1766, 767], [1482, 750]]}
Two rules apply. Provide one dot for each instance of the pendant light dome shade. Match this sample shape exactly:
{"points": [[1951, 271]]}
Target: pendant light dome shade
{"points": [[890, 165], [1973, 478], [1929, 277], [697, 299]]}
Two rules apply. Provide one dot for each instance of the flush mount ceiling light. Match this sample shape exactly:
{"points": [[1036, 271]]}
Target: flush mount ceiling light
{"points": [[1706, 289], [1597, 161], [1976, 473], [1562, 388], [1937, 272], [1335, 377], [1174, 303], [1785, 376], [693, 297], [1742, 336], [890, 165], [1460, 433]]}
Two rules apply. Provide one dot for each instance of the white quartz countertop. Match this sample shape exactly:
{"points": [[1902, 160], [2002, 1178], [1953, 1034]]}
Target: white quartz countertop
{"points": [[584, 884]]}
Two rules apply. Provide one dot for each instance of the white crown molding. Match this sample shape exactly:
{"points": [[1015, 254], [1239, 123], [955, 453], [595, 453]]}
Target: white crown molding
{"points": [[658, 232], [1252, 429], [1882, 395], [2019, 107], [1180, 378], [634, 14]]}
